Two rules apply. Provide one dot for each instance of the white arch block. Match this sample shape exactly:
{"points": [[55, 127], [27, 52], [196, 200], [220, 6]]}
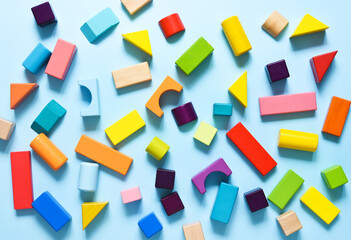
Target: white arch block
{"points": [[88, 176], [94, 107]]}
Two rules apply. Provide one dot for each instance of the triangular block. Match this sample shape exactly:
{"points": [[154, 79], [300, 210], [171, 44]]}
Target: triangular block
{"points": [[19, 92], [320, 64], [309, 25], [239, 89], [139, 39], [90, 210]]}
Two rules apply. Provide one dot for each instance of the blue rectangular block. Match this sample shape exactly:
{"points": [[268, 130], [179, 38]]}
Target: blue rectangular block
{"points": [[150, 225], [222, 209], [37, 58], [222, 109], [99, 24], [51, 211]]}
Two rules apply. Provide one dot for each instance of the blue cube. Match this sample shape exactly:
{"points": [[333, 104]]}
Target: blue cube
{"points": [[37, 58], [222, 109], [150, 225]]}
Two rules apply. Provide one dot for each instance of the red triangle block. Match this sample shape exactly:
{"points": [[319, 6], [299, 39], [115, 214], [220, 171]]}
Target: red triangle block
{"points": [[320, 65], [19, 92]]}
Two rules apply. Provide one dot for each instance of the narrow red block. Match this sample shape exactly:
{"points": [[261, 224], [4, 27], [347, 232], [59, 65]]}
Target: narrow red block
{"points": [[22, 186], [171, 25], [251, 148], [172, 203]]}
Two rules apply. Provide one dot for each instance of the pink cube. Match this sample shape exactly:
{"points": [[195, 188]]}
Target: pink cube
{"points": [[131, 195]]}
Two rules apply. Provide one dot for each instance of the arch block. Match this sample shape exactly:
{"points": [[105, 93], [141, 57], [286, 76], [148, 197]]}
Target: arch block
{"points": [[94, 107]]}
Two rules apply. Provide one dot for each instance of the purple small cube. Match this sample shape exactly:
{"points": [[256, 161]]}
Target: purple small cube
{"points": [[172, 203], [165, 178], [256, 199], [277, 71], [43, 14]]}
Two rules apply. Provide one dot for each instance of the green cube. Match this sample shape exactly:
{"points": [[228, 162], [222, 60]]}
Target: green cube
{"points": [[334, 176]]}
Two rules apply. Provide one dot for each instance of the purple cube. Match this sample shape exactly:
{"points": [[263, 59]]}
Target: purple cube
{"points": [[172, 203], [43, 14], [277, 71], [165, 178], [256, 199]]}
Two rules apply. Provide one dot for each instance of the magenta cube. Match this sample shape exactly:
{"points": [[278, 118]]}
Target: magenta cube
{"points": [[43, 14], [172, 203], [256, 199], [165, 178], [277, 71]]}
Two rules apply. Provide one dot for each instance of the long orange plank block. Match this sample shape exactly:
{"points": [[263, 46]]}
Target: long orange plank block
{"points": [[103, 154]]}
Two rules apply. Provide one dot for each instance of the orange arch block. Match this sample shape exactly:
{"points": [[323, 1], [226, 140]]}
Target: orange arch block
{"points": [[169, 84], [19, 92]]}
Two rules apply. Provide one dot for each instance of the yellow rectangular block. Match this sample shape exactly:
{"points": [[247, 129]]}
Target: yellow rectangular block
{"points": [[124, 127], [320, 205]]}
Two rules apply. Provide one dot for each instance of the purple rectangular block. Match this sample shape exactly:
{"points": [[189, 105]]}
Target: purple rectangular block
{"points": [[165, 178], [277, 71], [172, 203], [256, 199], [43, 14]]}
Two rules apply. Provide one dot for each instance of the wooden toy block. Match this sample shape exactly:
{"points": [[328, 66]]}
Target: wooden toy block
{"points": [[236, 35], [184, 114], [139, 39], [37, 58], [92, 86], [239, 89], [275, 24], [90, 210], [165, 179], [320, 205], [277, 71], [22, 185], [48, 151], [88, 176], [285, 189], [256, 199], [131, 195], [169, 84], [195, 55], [133, 6], [222, 109], [171, 25], [6, 129], [303, 141], [51, 210], [157, 148], [172, 203], [205, 133], [103, 154], [309, 25], [19, 92], [99, 24], [290, 103], [43, 14], [320, 64], [251, 148], [61, 59], [334, 176], [48, 117], [289, 222], [132, 75], [223, 206], [336, 117], [124, 127], [193, 231], [217, 166], [150, 225]]}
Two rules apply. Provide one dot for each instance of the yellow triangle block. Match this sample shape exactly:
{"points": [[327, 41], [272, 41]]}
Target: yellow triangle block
{"points": [[90, 210], [239, 89], [139, 39], [309, 25]]}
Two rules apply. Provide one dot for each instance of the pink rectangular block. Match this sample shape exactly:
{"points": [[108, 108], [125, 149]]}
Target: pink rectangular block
{"points": [[61, 59], [131, 195], [291, 103]]}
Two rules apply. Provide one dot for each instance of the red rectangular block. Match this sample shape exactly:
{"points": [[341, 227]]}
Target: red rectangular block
{"points": [[22, 186], [252, 149]]}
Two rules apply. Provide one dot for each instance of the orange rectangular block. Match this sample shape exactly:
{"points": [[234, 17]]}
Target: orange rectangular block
{"points": [[336, 117], [103, 154]]}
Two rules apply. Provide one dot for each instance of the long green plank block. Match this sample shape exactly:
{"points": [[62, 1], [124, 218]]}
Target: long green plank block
{"points": [[285, 189], [195, 55]]}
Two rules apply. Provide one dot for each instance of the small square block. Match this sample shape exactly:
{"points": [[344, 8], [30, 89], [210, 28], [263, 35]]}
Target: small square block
{"points": [[165, 178], [193, 231], [172, 203], [6, 129], [274, 24], [43, 14], [277, 71], [334, 176], [133, 6], [222, 109], [131, 195], [150, 225], [289, 222], [205, 133], [157, 148], [256, 199]]}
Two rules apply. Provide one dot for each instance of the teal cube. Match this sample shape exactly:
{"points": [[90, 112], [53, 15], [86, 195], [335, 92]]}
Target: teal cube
{"points": [[334, 176], [222, 109]]}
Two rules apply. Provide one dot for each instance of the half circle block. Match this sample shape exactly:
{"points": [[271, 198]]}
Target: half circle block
{"points": [[94, 107]]}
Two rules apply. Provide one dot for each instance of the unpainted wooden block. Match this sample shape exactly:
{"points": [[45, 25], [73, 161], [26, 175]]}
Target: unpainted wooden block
{"points": [[275, 23], [134, 5], [6, 129], [131, 75], [289, 222], [193, 231]]}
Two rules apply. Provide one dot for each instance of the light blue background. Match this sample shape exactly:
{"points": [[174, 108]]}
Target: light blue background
{"points": [[206, 85]]}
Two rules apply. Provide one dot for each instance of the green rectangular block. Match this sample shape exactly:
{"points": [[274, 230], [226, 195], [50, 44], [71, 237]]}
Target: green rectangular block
{"points": [[195, 55], [285, 189], [334, 176]]}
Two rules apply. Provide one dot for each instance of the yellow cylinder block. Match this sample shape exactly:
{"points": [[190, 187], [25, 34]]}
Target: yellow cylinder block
{"points": [[298, 140], [236, 35]]}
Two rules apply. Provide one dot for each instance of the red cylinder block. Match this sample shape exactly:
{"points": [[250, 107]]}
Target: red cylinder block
{"points": [[171, 25]]}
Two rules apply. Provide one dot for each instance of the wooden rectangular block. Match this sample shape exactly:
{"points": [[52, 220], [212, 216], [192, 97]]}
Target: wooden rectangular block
{"points": [[275, 23], [289, 222], [6, 129], [336, 117], [290, 103], [134, 5], [193, 231], [132, 75], [131, 195]]}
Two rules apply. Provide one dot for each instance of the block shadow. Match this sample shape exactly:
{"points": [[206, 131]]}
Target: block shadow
{"points": [[288, 116], [132, 208], [297, 154], [91, 123], [46, 31], [137, 53], [221, 122], [307, 41], [58, 175], [175, 37], [241, 60], [86, 196], [279, 87], [331, 138], [258, 216]]}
